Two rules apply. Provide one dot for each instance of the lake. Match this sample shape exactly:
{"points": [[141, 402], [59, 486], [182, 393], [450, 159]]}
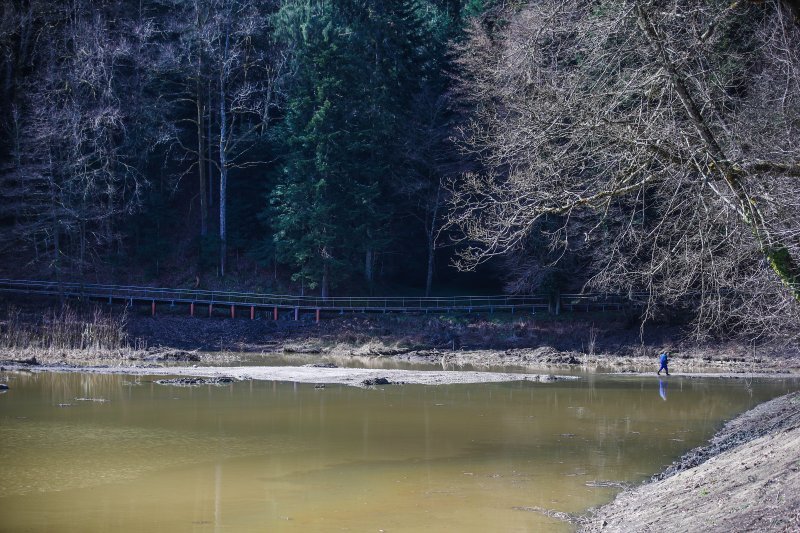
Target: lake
{"points": [[272, 456]]}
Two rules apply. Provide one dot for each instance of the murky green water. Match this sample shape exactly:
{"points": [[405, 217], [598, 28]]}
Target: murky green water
{"points": [[263, 456]]}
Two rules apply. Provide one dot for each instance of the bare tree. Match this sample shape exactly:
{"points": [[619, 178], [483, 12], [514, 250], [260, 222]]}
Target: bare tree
{"points": [[71, 179], [247, 70], [225, 66], [663, 134]]}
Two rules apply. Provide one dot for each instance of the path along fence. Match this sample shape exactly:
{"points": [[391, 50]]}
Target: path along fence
{"points": [[277, 305]]}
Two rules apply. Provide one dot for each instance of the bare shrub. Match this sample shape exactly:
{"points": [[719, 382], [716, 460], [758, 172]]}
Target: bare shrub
{"points": [[592, 340], [15, 334]]}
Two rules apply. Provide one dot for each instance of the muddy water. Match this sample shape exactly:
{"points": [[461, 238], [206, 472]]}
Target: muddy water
{"points": [[264, 456]]}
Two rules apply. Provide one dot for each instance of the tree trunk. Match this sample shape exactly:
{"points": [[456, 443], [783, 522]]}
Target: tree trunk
{"points": [[431, 234], [54, 203], [368, 261], [223, 163], [9, 81], [325, 289], [82, 245], [429, 275], [56, 244], [210, 169], [223, 184], [201, 159]]}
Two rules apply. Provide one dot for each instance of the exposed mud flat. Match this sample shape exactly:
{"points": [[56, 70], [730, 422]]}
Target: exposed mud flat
{"points": [[746, 479], [310, 374]]}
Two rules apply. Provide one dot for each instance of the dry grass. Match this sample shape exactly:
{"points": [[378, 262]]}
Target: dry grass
{"points": [[59, 332]]}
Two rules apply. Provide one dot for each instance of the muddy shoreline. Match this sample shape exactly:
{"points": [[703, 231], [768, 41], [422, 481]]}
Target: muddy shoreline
{"points": [[607, 342], [528, 343], [544, 359]]}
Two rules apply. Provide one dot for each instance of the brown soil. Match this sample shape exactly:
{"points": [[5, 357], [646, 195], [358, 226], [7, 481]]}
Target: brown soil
{"points": [[746, 479]]}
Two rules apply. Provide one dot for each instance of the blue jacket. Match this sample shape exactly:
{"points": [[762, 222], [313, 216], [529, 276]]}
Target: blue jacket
{"points": [[664, 358]]}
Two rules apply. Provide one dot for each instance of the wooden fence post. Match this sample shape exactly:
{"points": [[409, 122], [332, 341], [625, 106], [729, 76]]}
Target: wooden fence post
{"points": [[233, 311], [153, 308], [275, 313], [252, 312], [191, 309]]}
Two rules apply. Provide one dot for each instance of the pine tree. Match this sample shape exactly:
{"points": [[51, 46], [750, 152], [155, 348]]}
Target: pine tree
{"points": [[354, 64]]}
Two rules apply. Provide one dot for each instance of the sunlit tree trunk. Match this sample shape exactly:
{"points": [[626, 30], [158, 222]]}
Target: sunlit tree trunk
{"points": [[223, 162], [201, 163]]}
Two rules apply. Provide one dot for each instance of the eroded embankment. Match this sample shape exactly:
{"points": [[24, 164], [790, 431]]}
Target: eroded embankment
{"points": [[746, 479]]}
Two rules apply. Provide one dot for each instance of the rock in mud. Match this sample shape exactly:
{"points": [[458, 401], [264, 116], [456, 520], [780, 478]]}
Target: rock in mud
{"points": [[195, 382], [604, 484], [321, 365], [160, 354], [3, 386], [30, 362], [376, 381], [558, 515], [564, 359], [302, 348]]}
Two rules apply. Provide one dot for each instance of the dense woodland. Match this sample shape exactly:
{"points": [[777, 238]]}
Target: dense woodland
{"points": [[314, 146]]}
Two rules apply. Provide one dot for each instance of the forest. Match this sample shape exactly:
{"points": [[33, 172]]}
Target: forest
{"points": [[362, 147]]}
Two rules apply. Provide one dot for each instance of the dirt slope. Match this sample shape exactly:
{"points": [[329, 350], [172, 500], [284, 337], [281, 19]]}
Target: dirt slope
{"points": [[746, 479]]}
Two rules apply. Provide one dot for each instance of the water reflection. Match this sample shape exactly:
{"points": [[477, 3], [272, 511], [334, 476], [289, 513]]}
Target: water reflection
{"points": [[269, 455]]}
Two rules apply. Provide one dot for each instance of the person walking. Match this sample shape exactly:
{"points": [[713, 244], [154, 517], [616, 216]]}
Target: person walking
{"points": [[664, 359]]}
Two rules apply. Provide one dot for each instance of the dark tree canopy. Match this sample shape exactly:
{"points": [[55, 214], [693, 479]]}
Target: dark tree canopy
{"points": [[217, 130], [363, 146]]}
